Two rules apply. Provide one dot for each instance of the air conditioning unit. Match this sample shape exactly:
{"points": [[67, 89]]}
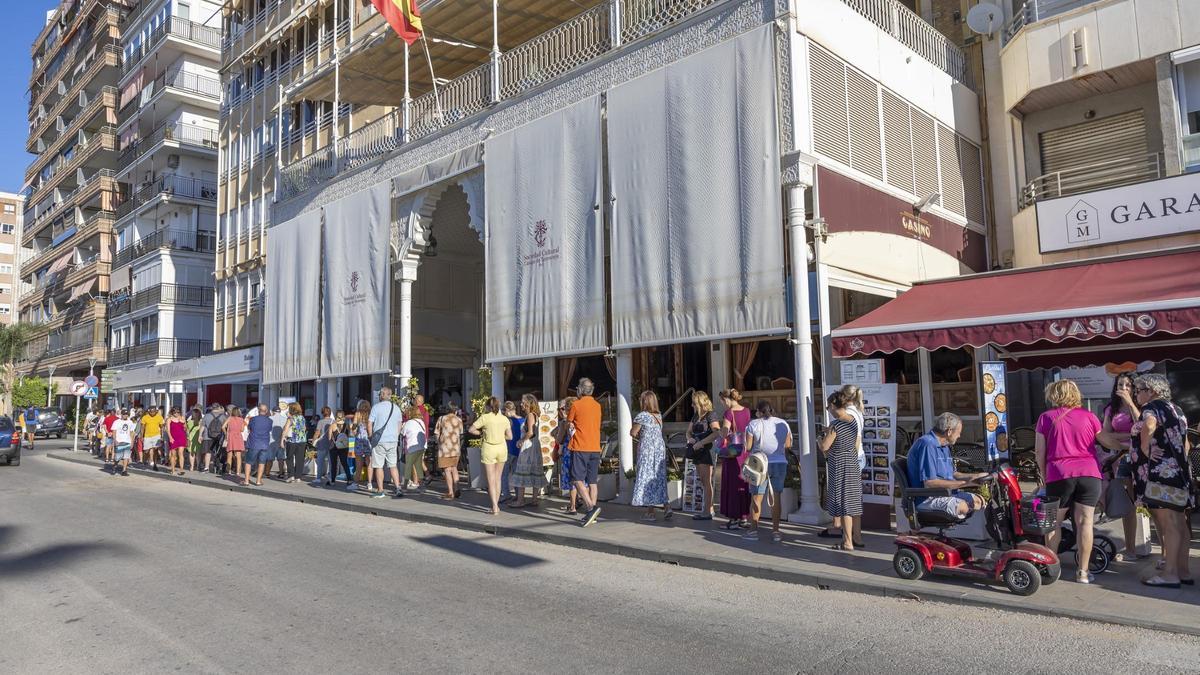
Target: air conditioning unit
{"points": [[172, 161]]}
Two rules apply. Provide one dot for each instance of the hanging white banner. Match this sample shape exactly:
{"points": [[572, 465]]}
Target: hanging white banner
{"points": [[357, 284], [291, 317], [543, 246]]}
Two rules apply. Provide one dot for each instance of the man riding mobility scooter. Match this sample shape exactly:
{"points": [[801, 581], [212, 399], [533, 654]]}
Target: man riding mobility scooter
{"points": [[1022, 566]]}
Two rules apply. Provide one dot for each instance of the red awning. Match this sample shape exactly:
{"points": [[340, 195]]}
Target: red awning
{"points": [[1074, 302]]}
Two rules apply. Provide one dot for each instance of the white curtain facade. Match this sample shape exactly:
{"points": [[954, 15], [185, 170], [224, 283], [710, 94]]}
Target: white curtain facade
{"points": [[292, 314]]}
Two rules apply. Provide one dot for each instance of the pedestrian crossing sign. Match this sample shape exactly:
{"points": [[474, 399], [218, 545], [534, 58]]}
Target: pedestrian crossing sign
{"points": [[92, 393]]}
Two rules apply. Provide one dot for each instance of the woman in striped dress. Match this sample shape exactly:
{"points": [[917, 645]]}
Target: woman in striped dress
{"points": [[843, 478]]}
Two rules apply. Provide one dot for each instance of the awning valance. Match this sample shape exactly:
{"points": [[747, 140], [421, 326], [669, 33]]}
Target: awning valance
{"points": [[1107, 298]]}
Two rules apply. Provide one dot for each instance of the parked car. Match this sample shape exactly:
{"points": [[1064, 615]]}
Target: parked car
{"points": [[50, 422], [10, 442]]}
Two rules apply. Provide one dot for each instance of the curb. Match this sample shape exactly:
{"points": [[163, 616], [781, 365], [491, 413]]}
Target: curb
{"points": [[878, 586]]}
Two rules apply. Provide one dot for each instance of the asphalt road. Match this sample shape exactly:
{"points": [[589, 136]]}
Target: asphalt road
{"points": [[105, 574]]}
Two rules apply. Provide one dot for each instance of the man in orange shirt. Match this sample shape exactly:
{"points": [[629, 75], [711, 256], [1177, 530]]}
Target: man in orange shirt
{"points": [[585, 448]]}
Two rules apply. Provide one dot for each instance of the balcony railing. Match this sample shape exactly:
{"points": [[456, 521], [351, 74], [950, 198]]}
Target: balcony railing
{"points": [[184, 134], [182, 28], [120, 304], [166, 349], [1091, 177], [168, 186], [552, 55], [177, 239], [1036, 10]]}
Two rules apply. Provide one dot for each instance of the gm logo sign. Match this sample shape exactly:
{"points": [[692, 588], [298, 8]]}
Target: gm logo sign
{"points": [[1083, 222]]}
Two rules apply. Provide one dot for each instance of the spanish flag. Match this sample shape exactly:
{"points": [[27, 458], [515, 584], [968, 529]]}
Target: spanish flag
{"points": [[403, 16]]}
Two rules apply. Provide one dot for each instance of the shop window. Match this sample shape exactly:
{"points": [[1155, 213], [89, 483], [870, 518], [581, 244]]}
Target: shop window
{"points": [[669, 371], [521, 379], [599, 369]]}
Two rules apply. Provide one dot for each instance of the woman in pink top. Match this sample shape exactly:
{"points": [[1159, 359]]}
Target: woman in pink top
{"points": [[1066, 456], [1119, 416], [176, 440]]}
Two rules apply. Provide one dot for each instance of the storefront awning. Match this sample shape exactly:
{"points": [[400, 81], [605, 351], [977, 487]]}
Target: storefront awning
{"points": [[1075, 302]]}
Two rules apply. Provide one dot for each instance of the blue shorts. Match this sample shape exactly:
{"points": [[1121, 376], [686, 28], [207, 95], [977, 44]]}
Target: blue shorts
{"points": [[260, 456], [585, 467], [776, 472], [280, 453]]}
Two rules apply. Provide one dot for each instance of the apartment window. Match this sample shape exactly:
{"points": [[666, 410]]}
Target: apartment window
{"points": [[5, 289], [1187, 81], [10, 208], [5, 310], [146, 330], [7, 228], [6, 268], [185, 11]]}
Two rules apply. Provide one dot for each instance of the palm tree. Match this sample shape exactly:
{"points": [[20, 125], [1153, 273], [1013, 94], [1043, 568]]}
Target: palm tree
{"points": [[13, 340]]}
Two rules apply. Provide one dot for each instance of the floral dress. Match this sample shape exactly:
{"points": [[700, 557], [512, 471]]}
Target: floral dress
{"points": [[528, 471], [1154, 480], [650, 486]]}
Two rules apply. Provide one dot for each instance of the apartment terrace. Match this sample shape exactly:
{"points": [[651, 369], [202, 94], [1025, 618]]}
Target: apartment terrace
{"points": [[104, 34], [68, 237], [100, 184], [70, 132], [174, 133], [178, 82], [183, 29], [553, 39], [167, 188], [63, 168], [109, 57], [165, 349], [176, 239], [160, 294]]}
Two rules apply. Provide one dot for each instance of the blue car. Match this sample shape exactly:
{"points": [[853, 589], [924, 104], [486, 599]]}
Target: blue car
{"points": [[10, 442]]}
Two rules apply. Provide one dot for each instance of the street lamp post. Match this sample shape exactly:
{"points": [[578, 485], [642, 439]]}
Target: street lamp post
{"points": [[50, 385]]}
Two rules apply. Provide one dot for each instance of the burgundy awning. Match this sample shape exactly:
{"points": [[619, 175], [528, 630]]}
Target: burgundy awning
{"points": [[1075, 302]]}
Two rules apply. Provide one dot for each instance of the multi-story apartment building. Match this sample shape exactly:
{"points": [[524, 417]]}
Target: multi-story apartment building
{"points": [[12, 217], [396, 191], [72, 190], [160, 305]]}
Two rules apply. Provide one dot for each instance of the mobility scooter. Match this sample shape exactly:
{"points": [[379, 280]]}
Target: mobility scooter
{"points": [[1021, 565]]}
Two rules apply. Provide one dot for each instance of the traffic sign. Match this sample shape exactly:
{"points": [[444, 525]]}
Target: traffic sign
{"points": [[78, 387], [91, 380], [92, 393]]}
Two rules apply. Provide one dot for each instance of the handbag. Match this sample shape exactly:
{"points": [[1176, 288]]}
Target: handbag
{"points": [[735, 443], [1117, 503], [1159, 495]]}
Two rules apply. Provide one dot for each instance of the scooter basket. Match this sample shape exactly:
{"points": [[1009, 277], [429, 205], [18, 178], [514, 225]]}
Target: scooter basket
{"points": [[1038, 514]]}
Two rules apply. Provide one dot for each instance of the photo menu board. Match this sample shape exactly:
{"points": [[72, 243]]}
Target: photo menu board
{"points": [[879, 441], [995, 408]]}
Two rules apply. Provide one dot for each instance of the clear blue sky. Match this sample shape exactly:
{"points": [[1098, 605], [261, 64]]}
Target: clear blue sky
{"points": [[23, 21]]}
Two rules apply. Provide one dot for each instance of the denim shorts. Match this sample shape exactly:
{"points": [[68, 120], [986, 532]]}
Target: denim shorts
{"points": [[585, 467], [259, 456], [123, 450], [948, 505], [776, 472]]}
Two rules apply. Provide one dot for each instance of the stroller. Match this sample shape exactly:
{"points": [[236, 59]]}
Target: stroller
{"points": [[220, 460]]}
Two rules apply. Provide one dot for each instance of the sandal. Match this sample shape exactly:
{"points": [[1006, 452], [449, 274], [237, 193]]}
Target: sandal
{"points": [[859, 544], [1158, 582], [840, 547], [828, 534], [732, 525]]}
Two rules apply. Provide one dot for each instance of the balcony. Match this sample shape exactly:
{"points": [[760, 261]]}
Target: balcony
{"points": [[106, 99], [1033, 11], [168, 188], [99, 223], [175, 295], [101, 182], [102, 140], [43, 74], [169, 239], [174, 26], [550, 56], [184, 135], [39, 125], [163, 349], [1092, 177]]}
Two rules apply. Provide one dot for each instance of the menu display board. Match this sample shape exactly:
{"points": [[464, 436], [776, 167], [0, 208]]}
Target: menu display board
{"points": [[879, 441], [693, 492], [547, 423], [862, 371], [993, 381]]}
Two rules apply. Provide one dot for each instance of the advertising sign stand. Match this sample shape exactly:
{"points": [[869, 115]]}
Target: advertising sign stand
{"points": [[879, 449], [994, 395]]}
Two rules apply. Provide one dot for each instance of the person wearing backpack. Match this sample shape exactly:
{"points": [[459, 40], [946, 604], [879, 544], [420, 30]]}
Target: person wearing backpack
{"points": [[768, 439], [212, 425]]}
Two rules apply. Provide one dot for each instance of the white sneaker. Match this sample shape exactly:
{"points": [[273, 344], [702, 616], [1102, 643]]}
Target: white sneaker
{"points": [[1084, 577]]}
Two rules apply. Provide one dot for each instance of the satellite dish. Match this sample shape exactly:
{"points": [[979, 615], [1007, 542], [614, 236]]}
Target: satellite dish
{"points": [[985, 18]]}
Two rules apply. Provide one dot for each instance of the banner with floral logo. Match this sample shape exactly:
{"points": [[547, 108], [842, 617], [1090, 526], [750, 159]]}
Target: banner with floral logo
{"points": [[544, 249]]}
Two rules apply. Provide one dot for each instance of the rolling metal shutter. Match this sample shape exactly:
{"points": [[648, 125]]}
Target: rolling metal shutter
{"points": [[1112, 138]]}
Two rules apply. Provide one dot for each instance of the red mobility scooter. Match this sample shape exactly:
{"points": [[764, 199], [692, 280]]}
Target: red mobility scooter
{"points": [[1022, 566]]}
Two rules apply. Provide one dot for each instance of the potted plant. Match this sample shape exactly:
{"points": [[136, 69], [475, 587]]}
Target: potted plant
{"points": [[625, 487], [674, 488], [606, 483], [789, 499]]}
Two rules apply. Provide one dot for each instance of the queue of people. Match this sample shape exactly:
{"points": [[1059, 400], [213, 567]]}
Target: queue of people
{"points": [[1137, 448]]}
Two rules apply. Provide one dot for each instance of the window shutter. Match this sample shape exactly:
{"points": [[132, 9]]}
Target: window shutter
{"points": [[831, 136], [866, 146]]}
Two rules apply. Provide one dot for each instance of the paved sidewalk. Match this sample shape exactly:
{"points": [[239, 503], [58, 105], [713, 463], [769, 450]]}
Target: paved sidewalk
{"points": [[803, 558]]}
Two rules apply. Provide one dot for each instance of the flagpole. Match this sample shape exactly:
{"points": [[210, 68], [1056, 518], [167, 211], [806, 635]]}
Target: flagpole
{"points": [[406, 110], [437, 100]]}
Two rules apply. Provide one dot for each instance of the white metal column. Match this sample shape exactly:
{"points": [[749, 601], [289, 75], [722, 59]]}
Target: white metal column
{"points": [[407, 275], [624, 414]]}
